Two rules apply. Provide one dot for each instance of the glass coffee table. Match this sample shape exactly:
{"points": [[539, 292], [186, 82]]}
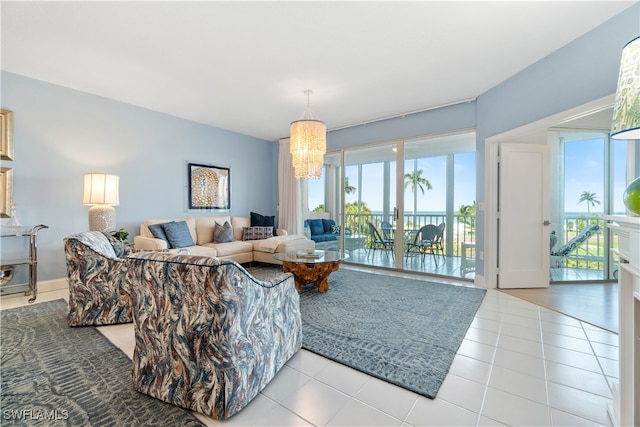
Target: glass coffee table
{"points": [[311, 267]]}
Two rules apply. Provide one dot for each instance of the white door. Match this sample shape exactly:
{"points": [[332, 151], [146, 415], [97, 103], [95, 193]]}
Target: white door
{"points": [[523, 220]]}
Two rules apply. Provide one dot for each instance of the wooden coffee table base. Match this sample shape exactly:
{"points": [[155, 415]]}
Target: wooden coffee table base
{"points": [[317, 273]]}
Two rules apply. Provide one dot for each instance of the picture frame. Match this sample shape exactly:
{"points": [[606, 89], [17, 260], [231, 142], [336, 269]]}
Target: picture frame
{"points": [[6, 134], [6, 192], [209, 187]]}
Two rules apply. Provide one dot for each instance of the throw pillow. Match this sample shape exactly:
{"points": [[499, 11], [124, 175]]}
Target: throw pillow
{"points": [[178, 234], [316, 227], [335, 229], [327, 224], [223, 233], [258, 220], [157, 230], [256, 233], [119, 246]]}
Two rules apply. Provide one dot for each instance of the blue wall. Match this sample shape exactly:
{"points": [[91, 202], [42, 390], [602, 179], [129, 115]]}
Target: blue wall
{"points": [[60, 134], [446, 119]]}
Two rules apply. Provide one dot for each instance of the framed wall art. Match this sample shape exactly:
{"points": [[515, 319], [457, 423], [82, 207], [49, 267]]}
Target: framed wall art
{"points": [[209, 187], [6, 192], [6, 134]]}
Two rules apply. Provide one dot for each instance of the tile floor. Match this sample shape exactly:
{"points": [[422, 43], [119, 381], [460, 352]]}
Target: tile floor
{"points": [[519, 365]]}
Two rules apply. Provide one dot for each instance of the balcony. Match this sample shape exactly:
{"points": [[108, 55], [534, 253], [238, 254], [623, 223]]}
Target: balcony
{"points": [[588, 262]]}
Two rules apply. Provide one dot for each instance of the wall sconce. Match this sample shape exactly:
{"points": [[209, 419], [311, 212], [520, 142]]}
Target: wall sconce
{"points": [[308, 143], [101, 193]]}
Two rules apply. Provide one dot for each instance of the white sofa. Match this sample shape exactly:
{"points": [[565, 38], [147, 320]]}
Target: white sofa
{"points": [[201, 229]]}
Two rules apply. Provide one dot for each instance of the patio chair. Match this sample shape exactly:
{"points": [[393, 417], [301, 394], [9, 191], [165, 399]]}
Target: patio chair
{"points": [[557, 256], [424, 242], [377, 241], [387, 230], [439, 243]]}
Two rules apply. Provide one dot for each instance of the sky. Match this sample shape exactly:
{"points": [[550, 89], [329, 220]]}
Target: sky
{"points": [[434, 170], [583, 171], [584, 162]]}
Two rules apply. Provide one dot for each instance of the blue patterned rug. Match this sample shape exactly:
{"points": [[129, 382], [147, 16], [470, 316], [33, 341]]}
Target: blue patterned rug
{"points": [[56, 375], [403, 331]]}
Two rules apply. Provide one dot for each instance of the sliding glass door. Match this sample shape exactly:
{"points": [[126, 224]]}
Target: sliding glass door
{"points": [[439, 196], [381, 196], [369, 194]]}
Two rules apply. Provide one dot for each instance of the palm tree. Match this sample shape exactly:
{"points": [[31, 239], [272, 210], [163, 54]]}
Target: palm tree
{"points": [[468, 213], [416, 180], [591, 200], [348, 189]]}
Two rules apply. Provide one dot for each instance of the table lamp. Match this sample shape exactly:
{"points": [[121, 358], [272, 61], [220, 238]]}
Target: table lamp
{"points": [[101, 193]]}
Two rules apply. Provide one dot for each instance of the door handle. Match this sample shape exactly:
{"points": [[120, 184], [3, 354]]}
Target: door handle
{"points": [[546, 223]]}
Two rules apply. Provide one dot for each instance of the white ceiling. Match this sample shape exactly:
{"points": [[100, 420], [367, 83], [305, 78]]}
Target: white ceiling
{"points": [[244, 66]]}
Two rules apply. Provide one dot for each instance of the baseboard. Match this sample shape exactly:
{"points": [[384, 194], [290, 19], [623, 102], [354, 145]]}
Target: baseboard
{"points": [[53, 285], [43, 286], [479, 281]]}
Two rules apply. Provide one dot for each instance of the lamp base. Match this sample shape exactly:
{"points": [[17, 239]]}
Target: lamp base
{"points": [[631, 196], [102, 218]]}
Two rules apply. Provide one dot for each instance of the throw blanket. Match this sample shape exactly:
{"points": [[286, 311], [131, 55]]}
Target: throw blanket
{"points": [[270, 244]]}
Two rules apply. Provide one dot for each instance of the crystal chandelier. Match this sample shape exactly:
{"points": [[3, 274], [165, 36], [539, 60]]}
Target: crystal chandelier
{"points": [[308, 142]]}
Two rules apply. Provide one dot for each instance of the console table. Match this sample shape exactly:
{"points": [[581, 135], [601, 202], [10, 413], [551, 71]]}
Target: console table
{"points": [[30, 260], [625, 408]]}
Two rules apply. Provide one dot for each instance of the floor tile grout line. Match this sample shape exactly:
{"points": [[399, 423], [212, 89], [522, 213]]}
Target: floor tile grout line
{"points": [[544, 368], [598, 361], [486, 386]]}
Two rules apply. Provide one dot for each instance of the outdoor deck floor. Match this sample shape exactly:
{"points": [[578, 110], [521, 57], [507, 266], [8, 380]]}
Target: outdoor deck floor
{"points": [[450, 266]]}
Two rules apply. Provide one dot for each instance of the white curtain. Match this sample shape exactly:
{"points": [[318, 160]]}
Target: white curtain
{"points": [[290, 215]]}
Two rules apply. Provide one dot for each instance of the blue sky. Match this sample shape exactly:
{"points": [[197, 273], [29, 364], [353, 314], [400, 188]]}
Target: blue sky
{"points": [[434, 170], [583, 170]]}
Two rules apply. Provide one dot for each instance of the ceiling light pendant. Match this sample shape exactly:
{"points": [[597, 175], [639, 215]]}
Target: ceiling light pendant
{"points": [[626, 110], [308, 142]]}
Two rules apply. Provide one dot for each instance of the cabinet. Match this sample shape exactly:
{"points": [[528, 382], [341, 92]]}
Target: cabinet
{"points": [[30, 260], [625, 407]]}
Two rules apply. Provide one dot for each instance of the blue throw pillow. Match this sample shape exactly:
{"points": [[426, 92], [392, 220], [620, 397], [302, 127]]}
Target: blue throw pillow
{"points": [[316, 226], [178, 234], [327, 224], [223, 233], [157, 230]]}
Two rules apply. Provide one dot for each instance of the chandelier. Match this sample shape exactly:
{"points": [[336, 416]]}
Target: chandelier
{"points": [[308, 142]]}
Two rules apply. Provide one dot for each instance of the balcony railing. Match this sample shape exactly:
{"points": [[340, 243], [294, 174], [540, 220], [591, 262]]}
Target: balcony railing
{"points": [[463, 227], [589, 255]]}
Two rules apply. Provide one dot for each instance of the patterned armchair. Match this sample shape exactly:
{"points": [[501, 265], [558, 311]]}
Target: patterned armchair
{"points": [[209, 336], [99, 293]]}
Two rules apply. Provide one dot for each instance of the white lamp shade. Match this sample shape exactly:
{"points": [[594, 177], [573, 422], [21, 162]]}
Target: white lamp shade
{"points": [[101, 189], [626, 110]]}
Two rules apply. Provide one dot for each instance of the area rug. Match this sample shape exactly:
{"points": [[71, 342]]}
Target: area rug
{"points": [[403, 331], [56, 375]]}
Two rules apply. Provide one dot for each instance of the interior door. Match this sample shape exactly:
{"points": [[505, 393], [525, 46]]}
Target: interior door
{"points": [[523, 216]]}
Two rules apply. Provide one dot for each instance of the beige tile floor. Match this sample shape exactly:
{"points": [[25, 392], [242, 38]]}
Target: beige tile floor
{"points": [[519, 364]]}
